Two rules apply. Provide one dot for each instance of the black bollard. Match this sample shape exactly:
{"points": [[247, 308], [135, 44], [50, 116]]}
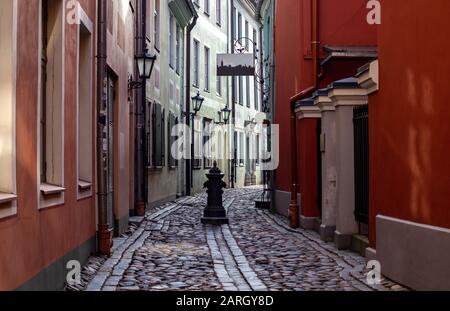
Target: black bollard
{"points": [[215, 213]]}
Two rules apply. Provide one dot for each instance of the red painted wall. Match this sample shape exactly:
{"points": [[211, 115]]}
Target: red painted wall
{"points": [[307, 172], [33, 239], [409, 117], [339, 24]]}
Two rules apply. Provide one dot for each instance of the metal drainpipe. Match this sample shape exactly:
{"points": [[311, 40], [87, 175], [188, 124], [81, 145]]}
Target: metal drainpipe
{"points": [[140, 137], [233, 103], [189, 171], [104, 233], [294, 214]]}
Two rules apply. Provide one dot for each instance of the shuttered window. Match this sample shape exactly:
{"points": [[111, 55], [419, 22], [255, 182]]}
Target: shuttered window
{"points": [[173, 121], [156, 136]]}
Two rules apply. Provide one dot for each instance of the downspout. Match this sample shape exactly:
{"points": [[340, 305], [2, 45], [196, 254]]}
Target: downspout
{"points": [[233, 102], [294, 214], [104, 233], [189, 171], [141, 145]]}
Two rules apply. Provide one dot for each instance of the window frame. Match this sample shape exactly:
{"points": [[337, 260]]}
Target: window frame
{"points": [[207, 69], [8, 193], [52, 190], [196, 63], [219, 13]]}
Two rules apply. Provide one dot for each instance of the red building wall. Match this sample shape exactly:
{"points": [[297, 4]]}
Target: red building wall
{"points": [[33, 239], [338, 25], [409, 117], [307, 168]]}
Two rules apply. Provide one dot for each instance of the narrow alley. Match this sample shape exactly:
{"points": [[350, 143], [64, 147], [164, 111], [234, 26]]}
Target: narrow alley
{"points": [[172, 250]]}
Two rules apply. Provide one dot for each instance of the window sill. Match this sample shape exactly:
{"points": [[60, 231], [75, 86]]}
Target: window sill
{"points": [[84, 185], [8, 205], [7, 198], [47, 189]]}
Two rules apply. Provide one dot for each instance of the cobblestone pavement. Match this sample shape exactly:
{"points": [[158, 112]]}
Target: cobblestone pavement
{"points": [[172, 250]]}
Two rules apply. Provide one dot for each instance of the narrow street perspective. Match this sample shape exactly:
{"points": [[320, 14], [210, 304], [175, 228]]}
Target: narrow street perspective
{"points": [[155, 148], [172, 250]]}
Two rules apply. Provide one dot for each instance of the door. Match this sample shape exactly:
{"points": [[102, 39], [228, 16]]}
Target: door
{"points": [[110, 148], [361, 141], [319, 165]]}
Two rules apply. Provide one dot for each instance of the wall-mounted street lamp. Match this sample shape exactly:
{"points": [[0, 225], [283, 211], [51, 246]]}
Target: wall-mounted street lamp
{"points": [[197, 102], [224, 115], [226, 112], [144, 63]]}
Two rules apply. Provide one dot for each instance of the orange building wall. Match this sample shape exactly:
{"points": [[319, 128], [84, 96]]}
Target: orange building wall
{"points": [[33, 239], [409, 117]]}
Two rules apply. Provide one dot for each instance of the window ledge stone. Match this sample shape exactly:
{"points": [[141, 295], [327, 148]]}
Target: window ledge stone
{"points": [[84, 185], [7, 197], [48, 189]]}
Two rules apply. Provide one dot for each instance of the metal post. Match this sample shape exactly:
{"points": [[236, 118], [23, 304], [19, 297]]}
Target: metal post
{"points": [[104, 233], [233, 102], [140, 137], [188, 103]]}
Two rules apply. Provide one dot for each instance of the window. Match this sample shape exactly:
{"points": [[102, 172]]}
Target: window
{"points": [[241, 149], [157, 24], [207, 143], [51, 129], [241, 90], [239, 21], [173, 121], [247, 46], [255, 82], [156, 135], [219, 86], [206, 8], [257, 143], [177, 49], [85, 132], [198, 143], [234, 24], [218, 12], [7, 107], [171, 42], [247, 91], [196, 63], [109, 16], [207, 61]]}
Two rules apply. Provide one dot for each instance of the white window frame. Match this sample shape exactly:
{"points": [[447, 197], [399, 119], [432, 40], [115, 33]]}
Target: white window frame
{"points": [[196, 63], [8, 187], [207, 69], [219, 13], [52, 192], [171, 41], [85, 182], [157, 24]]}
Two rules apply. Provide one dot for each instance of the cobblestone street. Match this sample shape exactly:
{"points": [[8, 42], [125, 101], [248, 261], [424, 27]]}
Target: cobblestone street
{"points": [[172, 250]]}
